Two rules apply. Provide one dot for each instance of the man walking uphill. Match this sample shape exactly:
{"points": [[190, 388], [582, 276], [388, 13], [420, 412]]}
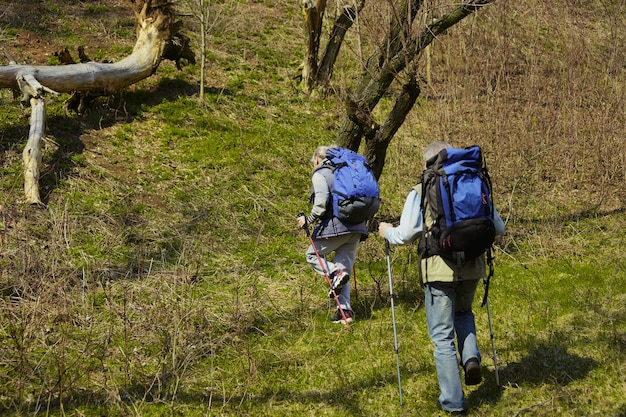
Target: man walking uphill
{"points": [[450, 286], [331, 235]]}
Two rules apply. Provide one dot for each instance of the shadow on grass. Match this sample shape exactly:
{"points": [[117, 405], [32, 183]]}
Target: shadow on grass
{"points": [[121, 107], [544, 364], [548, 364], [364, 305], [67, 130], [347, 399]]}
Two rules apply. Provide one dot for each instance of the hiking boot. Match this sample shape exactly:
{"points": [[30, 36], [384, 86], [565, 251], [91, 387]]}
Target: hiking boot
{"points": [[338, 318], [472, 372], [340, 279]]}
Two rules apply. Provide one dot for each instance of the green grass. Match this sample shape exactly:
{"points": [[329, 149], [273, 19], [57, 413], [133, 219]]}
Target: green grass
{"points": [[167, 275]]}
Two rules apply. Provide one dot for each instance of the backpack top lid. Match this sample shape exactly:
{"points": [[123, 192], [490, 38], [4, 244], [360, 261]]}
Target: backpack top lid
{"points": [[452, 160], [337, 155]]}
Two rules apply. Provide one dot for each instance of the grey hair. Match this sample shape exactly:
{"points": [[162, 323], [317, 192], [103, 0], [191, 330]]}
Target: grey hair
{"points": [[434, 148], [320, 152]]}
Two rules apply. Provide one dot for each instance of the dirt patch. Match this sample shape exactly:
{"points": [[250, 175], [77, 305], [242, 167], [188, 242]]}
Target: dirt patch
{"points": [[32, 31]]}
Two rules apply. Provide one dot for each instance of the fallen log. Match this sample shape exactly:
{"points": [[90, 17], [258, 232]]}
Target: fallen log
{"points": [[155, 28]]}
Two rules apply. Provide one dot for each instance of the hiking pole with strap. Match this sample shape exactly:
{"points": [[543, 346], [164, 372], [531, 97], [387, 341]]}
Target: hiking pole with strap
{"points": [[330, 283], [393, 319], [486, 281]]}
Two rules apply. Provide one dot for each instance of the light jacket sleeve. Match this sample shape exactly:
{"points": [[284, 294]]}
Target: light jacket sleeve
{"points": [[411, 221], [498, 222], [321, 193]]}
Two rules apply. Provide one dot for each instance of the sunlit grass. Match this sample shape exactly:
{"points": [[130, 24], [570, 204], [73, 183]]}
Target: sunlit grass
{"points": [[167, 276]]}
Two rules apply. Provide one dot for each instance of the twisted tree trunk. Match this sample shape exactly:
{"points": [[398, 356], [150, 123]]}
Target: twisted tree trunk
{"points": [[404, 50], [316, 74], [155, 26]]}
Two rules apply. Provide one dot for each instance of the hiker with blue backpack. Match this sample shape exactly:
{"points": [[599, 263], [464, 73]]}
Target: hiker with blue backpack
{"points": [[339, 219], [452, 251]]}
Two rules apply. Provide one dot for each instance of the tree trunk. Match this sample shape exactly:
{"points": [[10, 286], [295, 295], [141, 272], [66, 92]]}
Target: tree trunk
{"points": [[315, 74], [341, 27], [402, 52], [313, 18], [155, 26], [376, 148]]}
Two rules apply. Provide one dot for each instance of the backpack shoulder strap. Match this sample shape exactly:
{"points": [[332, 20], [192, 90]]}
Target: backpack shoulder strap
{"points": [[327, 169]]}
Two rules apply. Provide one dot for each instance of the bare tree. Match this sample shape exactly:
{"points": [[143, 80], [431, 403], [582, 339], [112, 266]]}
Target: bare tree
{"points": [[206, 15], [156, 27], [316, 72], [411, 27]]}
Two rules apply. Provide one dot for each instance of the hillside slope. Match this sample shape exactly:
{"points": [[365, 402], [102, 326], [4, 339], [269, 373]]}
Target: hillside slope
{"points": [[167, 275]]}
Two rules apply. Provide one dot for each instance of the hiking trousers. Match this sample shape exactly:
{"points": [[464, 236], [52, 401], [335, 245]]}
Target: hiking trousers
{"points": [[345, 247]]}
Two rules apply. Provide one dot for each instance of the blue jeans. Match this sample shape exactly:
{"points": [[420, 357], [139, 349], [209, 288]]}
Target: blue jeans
{"points": [[449, 311]]}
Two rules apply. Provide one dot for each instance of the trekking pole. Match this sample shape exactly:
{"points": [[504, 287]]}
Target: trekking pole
{"points": [[356, 290], [319, 259], [493, 344], [393, 319]]}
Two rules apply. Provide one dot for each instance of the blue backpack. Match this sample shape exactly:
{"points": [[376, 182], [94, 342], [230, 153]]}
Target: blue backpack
{"points": [[457, 189], [355, 193]]}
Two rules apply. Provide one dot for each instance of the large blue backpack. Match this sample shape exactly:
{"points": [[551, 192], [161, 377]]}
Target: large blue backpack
{"points": [[457, 189], [355, 193]]}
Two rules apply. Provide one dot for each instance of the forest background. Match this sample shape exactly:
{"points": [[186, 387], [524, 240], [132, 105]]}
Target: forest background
{"points": [[166, 274]]}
